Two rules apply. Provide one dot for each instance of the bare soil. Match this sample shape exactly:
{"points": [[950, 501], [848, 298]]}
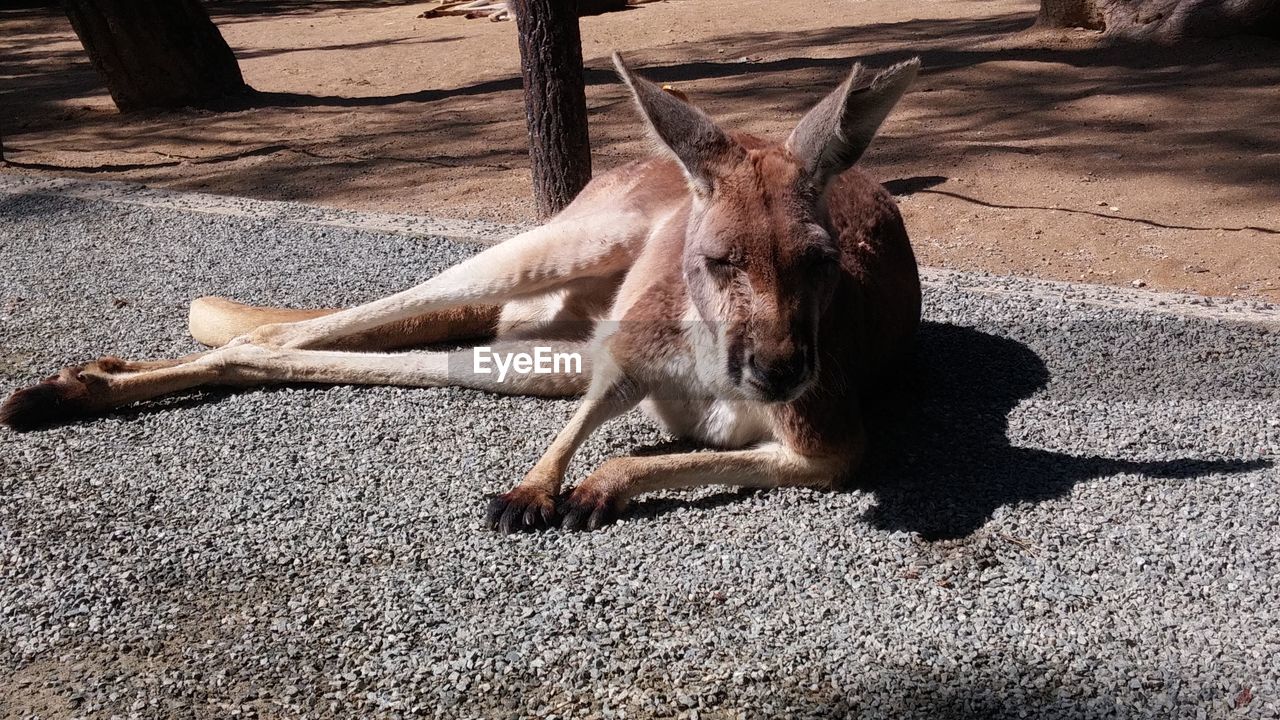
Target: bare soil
{"points": [[1019, 152]]}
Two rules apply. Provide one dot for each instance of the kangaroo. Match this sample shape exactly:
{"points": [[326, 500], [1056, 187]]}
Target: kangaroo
{"points": [[747, 294]]}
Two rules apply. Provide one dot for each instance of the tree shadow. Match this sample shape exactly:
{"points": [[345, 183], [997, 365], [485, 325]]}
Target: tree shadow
{"points": [[901, 187], [346, 47], [1148, 222], [942, 44], [225, 11], [983, 91], [913, 691], [951, 45]]}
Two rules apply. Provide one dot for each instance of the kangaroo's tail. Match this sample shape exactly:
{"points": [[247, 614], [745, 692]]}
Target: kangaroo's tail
{"points": [[214, 321]]}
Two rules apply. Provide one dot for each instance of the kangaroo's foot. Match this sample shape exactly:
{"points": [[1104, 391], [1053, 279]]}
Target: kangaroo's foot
{"points": [[74, 393], [85, 390], [523, 508], [591, 506]]}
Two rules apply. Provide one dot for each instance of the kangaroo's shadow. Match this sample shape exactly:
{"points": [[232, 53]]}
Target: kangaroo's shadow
{"points": [[939, 458]]}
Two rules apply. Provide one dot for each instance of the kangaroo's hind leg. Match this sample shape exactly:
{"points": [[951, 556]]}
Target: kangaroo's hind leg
{"points": [[109, 382], [99, 386], [576, 245], [576, 249]]}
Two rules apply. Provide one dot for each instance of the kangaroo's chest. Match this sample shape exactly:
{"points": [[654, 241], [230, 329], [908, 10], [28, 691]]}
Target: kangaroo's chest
{"points": [[654, 332], [689, 396], [708, 420]]}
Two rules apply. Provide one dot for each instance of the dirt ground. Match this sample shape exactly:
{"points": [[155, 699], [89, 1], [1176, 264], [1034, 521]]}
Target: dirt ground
{"points": [[1017, 153]]}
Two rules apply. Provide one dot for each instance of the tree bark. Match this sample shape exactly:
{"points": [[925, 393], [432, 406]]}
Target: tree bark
{"points": [[1164, 21], [555, 100], [157, 53], [1069, 14]]}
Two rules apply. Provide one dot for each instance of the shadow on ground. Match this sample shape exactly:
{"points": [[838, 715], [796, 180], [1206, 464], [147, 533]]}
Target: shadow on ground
{"points": [[940, 462], [973, 94], [904, 691]]}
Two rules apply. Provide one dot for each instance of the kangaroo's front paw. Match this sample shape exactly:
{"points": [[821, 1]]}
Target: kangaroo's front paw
{"points": [[69, 395], [523, 508], [591, 506]]}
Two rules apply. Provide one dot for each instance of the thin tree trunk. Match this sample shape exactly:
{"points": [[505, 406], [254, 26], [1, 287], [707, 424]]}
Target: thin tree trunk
{"points": [[555, 100], [157, 53]]}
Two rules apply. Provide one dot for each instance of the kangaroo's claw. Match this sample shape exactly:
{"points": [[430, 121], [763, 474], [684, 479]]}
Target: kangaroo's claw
{"points": [[588, 509], [520, 510]]}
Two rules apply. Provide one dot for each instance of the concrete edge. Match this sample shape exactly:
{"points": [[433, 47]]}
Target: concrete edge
{"points": [[1119, 298], [1215, 308]]}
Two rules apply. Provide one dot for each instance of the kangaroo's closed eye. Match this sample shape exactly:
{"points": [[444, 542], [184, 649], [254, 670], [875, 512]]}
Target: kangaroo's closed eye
{"points": [[719, 265]]}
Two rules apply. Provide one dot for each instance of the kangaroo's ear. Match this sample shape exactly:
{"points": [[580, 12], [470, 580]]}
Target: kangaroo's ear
{"points": [[703, 149], [835, 133]]}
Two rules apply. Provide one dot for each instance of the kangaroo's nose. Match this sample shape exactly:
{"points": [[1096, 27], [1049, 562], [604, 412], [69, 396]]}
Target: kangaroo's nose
{"points": [[777, 377]]}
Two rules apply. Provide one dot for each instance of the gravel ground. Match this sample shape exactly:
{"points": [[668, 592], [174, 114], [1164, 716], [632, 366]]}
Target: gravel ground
{"points": [[1073, 514]]}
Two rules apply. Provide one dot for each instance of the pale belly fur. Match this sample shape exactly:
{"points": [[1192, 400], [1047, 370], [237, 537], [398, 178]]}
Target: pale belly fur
{"points": [[710, 421]]}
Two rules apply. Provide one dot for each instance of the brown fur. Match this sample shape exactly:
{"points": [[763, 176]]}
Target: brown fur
{"points": [[215, 321], [750, 293], [56, 399]]}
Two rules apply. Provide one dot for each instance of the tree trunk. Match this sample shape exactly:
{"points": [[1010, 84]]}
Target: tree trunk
{"points": [[157, 53], [1069, 14], [1164, 21], [555, 100]]}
